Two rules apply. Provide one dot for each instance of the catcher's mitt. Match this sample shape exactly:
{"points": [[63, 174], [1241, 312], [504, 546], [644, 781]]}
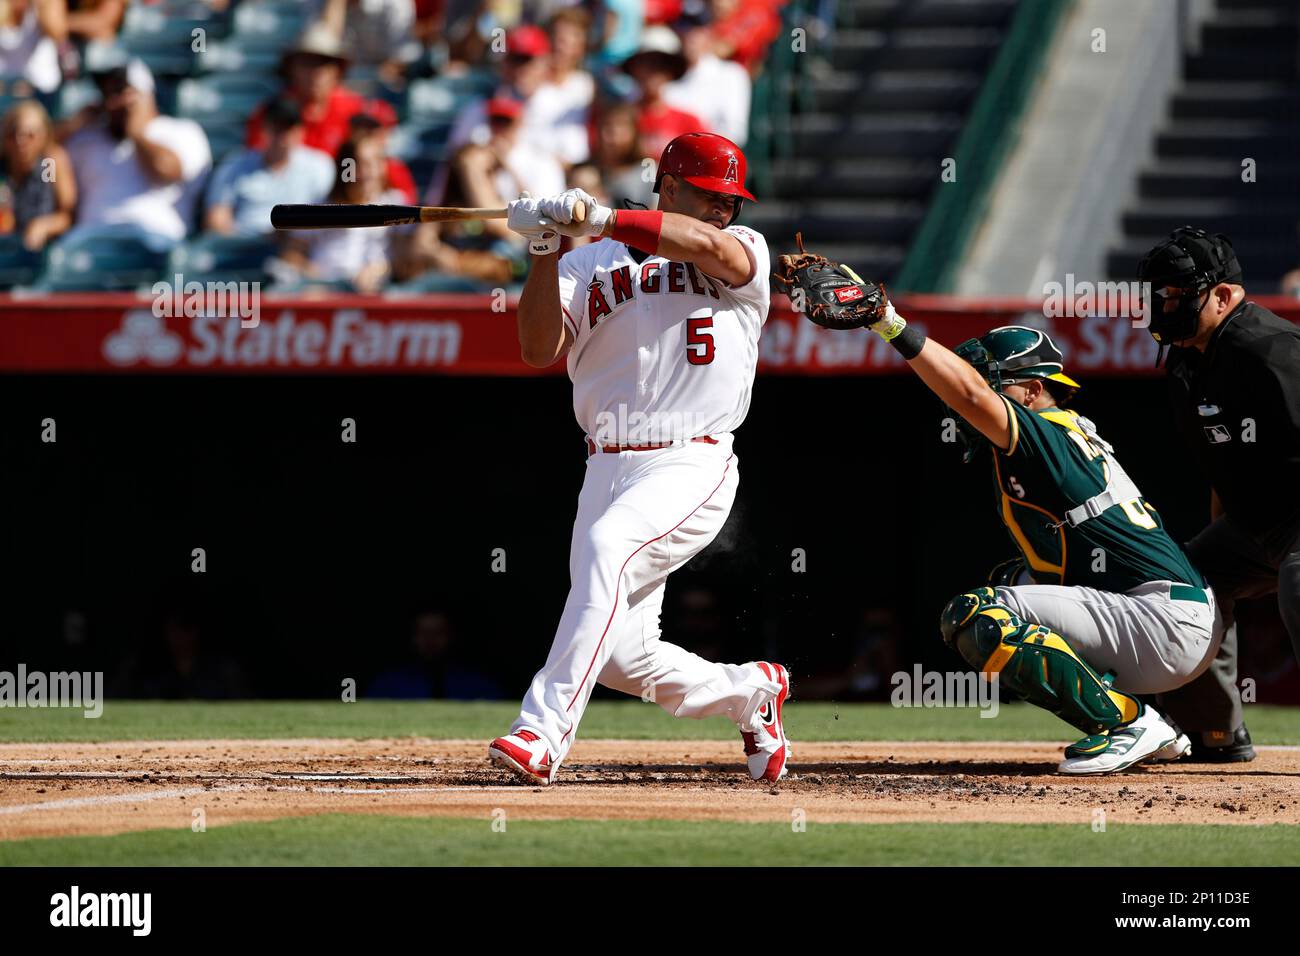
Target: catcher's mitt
{"points": [[829, 293]]}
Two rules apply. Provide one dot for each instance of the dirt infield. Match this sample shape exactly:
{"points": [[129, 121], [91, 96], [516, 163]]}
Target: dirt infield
{"points": [[72, 789]]}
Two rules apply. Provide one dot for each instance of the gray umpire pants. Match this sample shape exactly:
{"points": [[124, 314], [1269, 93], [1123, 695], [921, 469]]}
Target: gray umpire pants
{"points": [[1239, 567], [1150, 641]]}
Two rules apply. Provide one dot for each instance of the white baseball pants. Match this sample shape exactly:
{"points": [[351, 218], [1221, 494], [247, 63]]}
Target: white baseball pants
{"points": [[641, 515]]}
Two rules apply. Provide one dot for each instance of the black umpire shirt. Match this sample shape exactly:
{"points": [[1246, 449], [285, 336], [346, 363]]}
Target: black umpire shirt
{"points": [[1238, 406]]}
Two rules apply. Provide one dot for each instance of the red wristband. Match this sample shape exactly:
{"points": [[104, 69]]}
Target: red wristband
{"points": [[638, 228]]}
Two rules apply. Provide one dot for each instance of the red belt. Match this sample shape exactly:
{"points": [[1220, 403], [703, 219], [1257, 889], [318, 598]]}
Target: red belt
{"points": [[592, 447]]}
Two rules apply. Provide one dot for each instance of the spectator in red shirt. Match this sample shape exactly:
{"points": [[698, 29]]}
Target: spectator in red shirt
{"points": [[745, 30], [653, 66], [313, 72]]}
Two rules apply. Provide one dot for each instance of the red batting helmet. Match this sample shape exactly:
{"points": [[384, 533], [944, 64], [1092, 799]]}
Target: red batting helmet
{"points": [[706, 160]]}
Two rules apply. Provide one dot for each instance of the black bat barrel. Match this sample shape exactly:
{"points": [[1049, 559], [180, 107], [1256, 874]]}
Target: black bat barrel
{"points": [[341, 216]]}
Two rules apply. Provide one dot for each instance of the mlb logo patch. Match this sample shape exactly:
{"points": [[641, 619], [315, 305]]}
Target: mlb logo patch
{"points": [[1217, 434], [849, 293]]}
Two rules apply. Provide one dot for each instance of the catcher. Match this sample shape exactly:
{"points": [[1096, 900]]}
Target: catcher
{"points": [[1101, 603]]}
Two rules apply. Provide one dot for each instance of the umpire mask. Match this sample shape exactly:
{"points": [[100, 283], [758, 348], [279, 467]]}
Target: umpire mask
{"points": [[1183, 268]]}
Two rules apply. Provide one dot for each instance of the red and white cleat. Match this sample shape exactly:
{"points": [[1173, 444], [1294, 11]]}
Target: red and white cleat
{"points": [[525, 754], [766, 748]]}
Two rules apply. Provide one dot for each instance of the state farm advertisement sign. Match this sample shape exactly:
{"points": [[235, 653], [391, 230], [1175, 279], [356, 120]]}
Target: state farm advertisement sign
{"points": [[475, 335], [460, 335], [343, 339]]}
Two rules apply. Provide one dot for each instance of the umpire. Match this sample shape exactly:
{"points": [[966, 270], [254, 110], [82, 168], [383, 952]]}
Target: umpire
{"points": [[1234, 377]]}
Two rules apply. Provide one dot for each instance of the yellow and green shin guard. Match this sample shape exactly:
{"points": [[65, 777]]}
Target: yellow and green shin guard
{"points": [[1036, 663]]}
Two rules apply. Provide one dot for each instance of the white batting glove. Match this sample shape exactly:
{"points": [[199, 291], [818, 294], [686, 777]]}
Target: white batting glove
{"points": [[560, 209], [525, 217], [544, 243], [524, 214]]}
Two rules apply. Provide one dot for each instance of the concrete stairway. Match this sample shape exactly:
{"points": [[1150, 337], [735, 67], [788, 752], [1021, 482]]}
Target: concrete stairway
{"points": [[1239, 98], [884, 106]]}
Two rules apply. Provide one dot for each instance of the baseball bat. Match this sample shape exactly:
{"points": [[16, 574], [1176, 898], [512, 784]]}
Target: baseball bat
{"points": [[351, 216]]}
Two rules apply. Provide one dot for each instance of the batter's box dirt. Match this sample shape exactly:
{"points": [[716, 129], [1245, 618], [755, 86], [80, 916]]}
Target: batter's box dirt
{"points": [[66, 789]]}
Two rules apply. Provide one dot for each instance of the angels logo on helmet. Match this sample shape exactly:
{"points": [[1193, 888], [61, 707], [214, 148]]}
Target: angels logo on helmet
{"points": [[707, 161]]}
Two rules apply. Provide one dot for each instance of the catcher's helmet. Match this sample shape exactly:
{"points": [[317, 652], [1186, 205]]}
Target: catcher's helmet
{"points": [[1006, 356], [1013, 353], [707, 161], [1191, 262]]}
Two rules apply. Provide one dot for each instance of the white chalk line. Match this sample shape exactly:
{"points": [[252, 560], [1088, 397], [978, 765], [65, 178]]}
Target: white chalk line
{"points": [[68, 803], [73, 803], [399, 790]]}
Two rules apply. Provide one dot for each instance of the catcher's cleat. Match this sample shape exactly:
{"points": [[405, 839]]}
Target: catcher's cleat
{"points": [[766, 747], [1180, 748], [1120, 748], [525, 754]]}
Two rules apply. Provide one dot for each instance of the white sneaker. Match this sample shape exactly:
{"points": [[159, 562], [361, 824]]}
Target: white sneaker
{"points": [[766, 749], [525, 754], [1181, 747], [1123, 747]]}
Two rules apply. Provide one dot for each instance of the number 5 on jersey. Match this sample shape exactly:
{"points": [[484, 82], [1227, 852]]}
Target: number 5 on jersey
{"points": [[699, 338]]}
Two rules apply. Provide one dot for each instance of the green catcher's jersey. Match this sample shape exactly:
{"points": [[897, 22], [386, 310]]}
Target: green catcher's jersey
{"points": [[1052, 466]]}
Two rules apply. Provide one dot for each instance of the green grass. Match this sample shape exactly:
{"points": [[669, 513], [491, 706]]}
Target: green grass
{"points": [[339, 840], [166, 720]]}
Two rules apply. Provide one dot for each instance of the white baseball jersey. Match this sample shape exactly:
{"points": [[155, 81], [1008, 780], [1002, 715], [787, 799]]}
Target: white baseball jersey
{"points": [[661, 351]]}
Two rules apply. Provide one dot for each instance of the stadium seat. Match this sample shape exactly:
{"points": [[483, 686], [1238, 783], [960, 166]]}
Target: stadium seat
{"points": [[212, 258], [422, 169], [477, 82], [165, 43], [111, 259], [73, 96], [411, 141], [165, 94], [223, 98], [164, 57], [436, 282], [175, 9], [224, 139], [285, 283], [231, 56], [441, 98], [269, 24], [18, 265]]}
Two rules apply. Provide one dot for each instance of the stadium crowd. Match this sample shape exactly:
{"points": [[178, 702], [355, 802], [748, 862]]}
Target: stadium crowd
{"points": [[133, 132]]}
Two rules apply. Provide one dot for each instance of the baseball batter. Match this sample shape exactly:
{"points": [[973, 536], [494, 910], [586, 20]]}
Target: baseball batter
{"points": [[1101, 604], [659, 322]]}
